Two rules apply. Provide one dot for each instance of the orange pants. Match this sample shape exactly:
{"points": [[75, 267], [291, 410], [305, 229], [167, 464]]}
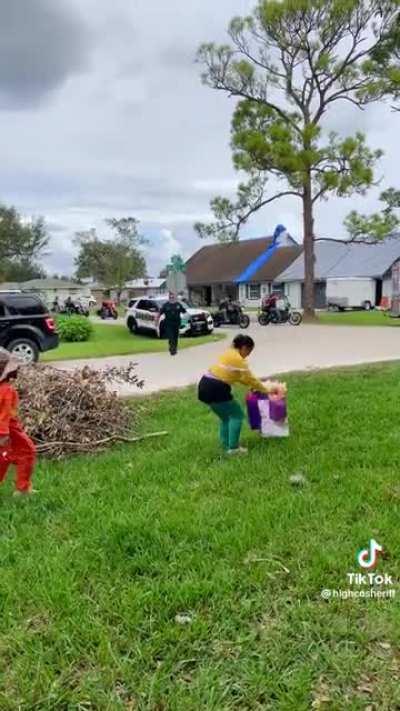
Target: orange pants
{"points": [[19, 451]]}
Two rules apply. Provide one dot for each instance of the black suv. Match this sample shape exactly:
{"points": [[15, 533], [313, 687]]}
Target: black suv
{"points": [[26, 327]]}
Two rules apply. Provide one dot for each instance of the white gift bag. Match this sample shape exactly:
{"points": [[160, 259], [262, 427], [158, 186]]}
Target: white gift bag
{"points": [[271, 428]]}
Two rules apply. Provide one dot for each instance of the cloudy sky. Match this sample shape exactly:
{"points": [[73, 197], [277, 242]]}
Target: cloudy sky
{"points": [[102, 113]]}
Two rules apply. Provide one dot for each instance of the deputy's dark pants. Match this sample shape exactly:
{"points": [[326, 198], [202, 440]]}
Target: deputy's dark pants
{"points": [[172, 331]]}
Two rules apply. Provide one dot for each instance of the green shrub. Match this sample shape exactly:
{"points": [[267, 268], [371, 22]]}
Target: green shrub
{"points": [[74, 328]]}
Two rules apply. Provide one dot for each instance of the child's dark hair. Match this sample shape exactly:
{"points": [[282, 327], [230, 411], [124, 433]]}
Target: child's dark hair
{"points": [[241, 341]]}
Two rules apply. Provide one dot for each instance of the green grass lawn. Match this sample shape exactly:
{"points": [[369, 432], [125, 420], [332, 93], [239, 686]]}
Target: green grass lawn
{"points": [[358, 318], [109, 340], [95, 569]]}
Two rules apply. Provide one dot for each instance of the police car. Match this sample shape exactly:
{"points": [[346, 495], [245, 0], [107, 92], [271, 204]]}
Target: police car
{"points": [[144, 315]]}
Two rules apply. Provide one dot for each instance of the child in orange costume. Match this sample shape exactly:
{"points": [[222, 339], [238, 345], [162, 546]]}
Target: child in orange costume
{"points": [[15, 446]]}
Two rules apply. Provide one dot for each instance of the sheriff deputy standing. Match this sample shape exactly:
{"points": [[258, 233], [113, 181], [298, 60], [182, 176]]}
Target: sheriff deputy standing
{"points": [[172, 311]]}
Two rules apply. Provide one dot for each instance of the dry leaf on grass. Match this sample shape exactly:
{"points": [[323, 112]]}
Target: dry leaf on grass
{"points": [[321, 695], [385, 645], [367, 685], [183, 619]]}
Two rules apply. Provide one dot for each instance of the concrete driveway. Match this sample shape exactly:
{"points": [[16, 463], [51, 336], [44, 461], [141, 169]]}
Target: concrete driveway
{"points": [[279, 349]]}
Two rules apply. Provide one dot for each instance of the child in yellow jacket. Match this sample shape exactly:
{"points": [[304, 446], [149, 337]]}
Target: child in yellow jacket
{"points": [[215, 390]]}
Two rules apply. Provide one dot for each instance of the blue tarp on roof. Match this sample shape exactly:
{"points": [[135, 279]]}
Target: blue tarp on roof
{"points": [[252, 268]]}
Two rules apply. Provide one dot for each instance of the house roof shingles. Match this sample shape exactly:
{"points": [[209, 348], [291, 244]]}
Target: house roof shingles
{"points": [[41, 284], [279, 261], [223, 263], [37, 284], [9, 286], [334, 260]]}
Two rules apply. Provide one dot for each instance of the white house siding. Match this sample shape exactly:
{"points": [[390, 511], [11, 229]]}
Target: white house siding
{"points": [[251, 294], [49, 295], [265, 289], [128, 294], [293, 292]]}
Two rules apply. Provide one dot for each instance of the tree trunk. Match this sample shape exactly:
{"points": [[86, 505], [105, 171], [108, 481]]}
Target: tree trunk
{"points": [[308, 243]]}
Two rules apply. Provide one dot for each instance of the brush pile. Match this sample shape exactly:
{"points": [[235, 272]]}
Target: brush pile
{"points": [[68, 412]]}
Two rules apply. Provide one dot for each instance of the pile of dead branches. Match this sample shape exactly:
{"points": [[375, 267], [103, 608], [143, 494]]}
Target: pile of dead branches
{"points": [[67, 412]]}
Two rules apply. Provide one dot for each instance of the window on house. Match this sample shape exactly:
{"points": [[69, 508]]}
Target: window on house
{"points": [[278, 286], [253, 291]]}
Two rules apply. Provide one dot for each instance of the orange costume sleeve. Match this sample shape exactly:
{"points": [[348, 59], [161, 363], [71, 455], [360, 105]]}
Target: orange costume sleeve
{"points": [[8, 407]]}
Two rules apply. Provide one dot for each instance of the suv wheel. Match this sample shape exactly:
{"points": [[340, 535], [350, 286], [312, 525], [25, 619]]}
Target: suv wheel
{"points": [[132, 325], [25, 349]]}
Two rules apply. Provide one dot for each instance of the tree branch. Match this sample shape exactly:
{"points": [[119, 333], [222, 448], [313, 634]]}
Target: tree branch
{"points": [[351, 240], [262, 102], [262, 203]]}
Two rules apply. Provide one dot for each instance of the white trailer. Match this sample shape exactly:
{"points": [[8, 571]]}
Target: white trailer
{"points": [[351, 293]]}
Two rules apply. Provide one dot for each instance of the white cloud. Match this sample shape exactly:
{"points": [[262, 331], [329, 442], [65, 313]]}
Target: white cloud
{"points": [[216, 185], [135, 133]]}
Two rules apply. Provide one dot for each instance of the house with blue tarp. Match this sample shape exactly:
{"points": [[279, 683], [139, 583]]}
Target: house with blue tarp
{"points": [[245, 270]]}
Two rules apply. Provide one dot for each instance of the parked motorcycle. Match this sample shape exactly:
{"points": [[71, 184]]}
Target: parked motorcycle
{"points": [[281, 313], [233, 316], [83, 310], [71, 308], [108, 310]]}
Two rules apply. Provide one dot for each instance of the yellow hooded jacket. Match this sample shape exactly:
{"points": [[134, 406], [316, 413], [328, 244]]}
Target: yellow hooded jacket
{"points": [[232, 368]]}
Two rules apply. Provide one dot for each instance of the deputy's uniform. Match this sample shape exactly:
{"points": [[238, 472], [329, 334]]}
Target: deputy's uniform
{"points": [[172, 311]]}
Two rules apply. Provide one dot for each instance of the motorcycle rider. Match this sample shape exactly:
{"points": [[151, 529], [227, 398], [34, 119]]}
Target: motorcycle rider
{"points": [[233, 311], [108, 309], [230, 310], [223, 309], [69, 306], [269, 304]]}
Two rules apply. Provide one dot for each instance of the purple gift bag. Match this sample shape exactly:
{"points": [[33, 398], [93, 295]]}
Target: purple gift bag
{"points": [[253, 411], [271, 427], [277, 410]]}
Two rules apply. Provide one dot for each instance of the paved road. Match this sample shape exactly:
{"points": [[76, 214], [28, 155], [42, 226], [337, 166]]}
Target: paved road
{"points": [[279, 349], [120, 321]]}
